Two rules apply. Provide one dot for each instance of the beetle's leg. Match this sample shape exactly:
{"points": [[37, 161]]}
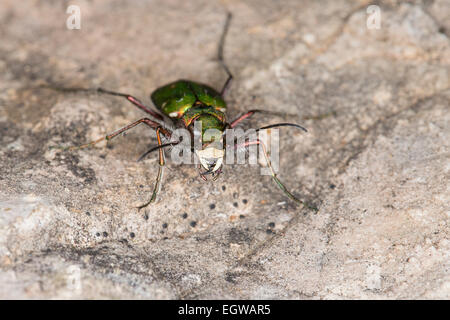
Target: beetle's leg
{"points": [[243, 117], [280, 114], [250, 113], [160, 171], [274, 176], [227, 83], [147, 121], [134, 101], [130, 98]]}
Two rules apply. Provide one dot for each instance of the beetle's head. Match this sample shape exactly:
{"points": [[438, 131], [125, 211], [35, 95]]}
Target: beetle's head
{"points": [[212, 152], [211, 158]]}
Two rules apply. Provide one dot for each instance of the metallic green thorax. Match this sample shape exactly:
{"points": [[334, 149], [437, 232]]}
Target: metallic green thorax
{"points": [[189, 101]]}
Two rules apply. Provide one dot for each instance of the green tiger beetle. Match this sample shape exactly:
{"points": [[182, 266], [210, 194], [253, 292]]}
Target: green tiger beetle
{"points": [[185, 102]]}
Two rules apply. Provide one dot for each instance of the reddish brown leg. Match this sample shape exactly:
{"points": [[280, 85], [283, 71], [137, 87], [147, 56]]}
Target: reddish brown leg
{"points": [[243, 117], [252, 112], [150, 123], [134, 101]]}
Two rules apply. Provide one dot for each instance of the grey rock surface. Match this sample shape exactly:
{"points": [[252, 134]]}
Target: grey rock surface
{"points": [[376, 159]]}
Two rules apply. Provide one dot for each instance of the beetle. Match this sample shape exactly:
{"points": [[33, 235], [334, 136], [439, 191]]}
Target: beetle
{"points": [[185, 102]]}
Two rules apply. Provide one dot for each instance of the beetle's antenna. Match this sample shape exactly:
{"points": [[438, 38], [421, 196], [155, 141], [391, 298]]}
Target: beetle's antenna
{"points": [[282, 125], [156, 148], [220, 55]]}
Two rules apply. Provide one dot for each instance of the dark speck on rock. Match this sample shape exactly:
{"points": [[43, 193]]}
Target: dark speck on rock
{"points": [[235, 204], [332, 186], [105, 234], [193, 224], [236, 235], [132, 235], [185, 215], [212, 206], [230, 278], [164, 225], [272, 224], [241, 216], [269, 231], [244, 201], [88, 213], [224, 188], [98, 234]]}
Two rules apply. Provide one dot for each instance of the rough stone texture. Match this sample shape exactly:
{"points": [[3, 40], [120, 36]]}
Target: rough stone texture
{"points": [[376, 163]]}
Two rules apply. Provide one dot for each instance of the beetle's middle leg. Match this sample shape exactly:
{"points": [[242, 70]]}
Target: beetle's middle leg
{"points": [[147, 121]]}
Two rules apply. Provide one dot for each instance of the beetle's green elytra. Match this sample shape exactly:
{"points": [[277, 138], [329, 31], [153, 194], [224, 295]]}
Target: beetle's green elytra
{"points": [[175, 98]]}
